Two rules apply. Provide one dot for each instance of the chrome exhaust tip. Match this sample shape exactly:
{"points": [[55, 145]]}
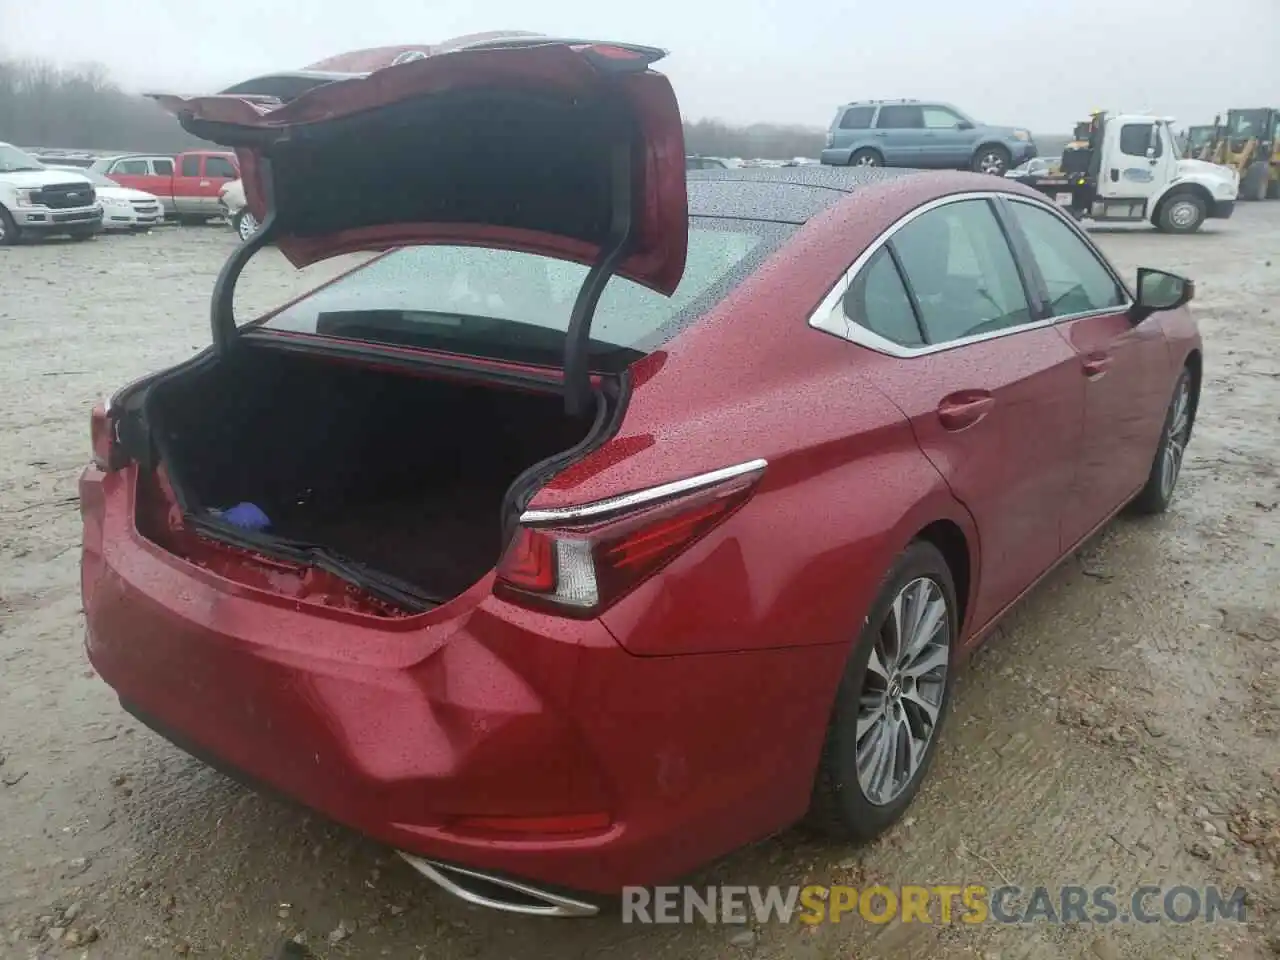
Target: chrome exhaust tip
{"points": [[498, 893]]}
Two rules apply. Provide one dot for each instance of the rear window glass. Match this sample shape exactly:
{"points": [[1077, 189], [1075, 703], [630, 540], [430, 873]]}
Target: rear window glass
{"points": [[857, 118], [516, 306]]}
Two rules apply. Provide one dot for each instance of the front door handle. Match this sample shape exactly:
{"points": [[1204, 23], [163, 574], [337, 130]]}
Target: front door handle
{"points": [[1096, 364], [204, 183], [964, 409]]}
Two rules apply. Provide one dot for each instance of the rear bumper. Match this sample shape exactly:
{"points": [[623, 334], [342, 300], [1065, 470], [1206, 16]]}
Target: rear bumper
{"points": [[405, 729], [1222, 209]]}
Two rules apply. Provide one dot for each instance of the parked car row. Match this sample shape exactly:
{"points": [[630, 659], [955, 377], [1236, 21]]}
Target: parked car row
{"points": [[36, 200], [187, 184], [121, 193]]}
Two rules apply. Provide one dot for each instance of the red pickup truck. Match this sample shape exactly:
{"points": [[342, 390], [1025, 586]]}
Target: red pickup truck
{"points": [[187, 184]]}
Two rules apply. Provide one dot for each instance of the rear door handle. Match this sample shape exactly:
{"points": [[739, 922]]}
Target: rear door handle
{"points": [[964, 409], [1096, 364]]}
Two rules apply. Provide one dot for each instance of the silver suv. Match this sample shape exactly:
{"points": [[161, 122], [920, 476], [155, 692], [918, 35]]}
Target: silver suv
{"points": [[915, 133]]}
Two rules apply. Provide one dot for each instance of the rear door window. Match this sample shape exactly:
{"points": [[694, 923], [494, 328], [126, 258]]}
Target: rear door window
{"points": [[132, 168], [191, 165], [961, 271], [516, 306], [162, 167], [900, 117], [857, 118], [219, 167], [878, 301]]}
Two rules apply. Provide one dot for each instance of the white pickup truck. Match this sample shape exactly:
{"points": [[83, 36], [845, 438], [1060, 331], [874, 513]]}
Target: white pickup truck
{"points": [[37, 201]]}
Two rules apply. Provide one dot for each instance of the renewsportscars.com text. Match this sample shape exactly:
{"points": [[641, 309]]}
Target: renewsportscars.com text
{"points": [[943, 904]]}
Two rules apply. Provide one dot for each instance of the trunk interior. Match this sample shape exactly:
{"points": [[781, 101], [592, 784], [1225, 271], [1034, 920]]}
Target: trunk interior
{"points": [[392, 469]]}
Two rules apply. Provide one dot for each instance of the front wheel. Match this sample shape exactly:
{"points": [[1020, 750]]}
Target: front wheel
{"points": [[992, 159], [891, 701], [8, 229], [1181, 213], [1167, 465]]}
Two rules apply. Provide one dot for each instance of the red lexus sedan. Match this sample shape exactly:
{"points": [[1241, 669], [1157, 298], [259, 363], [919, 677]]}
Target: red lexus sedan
{"points": [[609, 520]]}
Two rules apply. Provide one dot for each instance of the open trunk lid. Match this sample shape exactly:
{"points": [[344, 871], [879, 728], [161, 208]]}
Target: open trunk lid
{"points": [[564, 148], [510, 143]]}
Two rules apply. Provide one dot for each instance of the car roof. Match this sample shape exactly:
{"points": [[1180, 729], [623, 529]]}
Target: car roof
{"points": [[884, 103], [780, 194]]}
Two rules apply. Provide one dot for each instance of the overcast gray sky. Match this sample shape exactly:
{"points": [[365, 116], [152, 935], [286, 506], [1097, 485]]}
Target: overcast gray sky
{"points": [[1029, 62]]}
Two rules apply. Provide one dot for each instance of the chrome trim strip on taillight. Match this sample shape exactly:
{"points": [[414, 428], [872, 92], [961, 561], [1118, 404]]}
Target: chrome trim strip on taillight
{"points": [[638, 498], [454, 879]]}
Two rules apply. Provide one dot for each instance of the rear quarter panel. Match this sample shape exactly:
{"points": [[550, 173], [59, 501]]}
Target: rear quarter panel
{"points": [[846, 488]]}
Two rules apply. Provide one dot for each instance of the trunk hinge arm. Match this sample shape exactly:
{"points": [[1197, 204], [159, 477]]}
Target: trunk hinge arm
{"points": [[222, 312], [577, 372]]}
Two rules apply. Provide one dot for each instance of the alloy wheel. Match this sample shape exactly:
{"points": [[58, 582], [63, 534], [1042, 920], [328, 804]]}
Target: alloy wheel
{"points": [[867, 160], [248, 225], [902, 690], [991, 163], [1175, 442]]}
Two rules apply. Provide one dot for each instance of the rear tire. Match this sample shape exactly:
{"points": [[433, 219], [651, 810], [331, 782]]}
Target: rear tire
{"points": [[993, 159], [1254, 184], [866, 157], [886, 692], [1167, 465], [8, 229], [1181, 213]]}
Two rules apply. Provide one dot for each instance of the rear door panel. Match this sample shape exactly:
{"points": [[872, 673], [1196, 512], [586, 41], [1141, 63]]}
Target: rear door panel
{"points": [[1013, 467], [190, 184], [994, 393]]}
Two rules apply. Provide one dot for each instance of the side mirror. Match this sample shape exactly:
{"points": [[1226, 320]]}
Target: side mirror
{"points": [[1159, 291], [964, 125]]}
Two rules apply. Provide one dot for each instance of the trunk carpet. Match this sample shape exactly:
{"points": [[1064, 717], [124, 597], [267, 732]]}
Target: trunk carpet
{"points": [[446, 542]]}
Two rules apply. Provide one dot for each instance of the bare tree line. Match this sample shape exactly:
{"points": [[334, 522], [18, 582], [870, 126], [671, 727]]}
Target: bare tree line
{"points": [[767, 141], [42, 105]]}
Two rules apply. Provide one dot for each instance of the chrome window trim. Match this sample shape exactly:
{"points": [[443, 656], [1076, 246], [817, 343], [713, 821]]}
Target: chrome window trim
{"points": [[665, 491], [829, 316]]}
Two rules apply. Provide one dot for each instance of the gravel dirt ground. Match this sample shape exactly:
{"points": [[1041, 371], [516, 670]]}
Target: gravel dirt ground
{"points": [[1122, 726]]}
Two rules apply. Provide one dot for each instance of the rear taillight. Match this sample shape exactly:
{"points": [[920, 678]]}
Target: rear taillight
{"points": [[102, 434], [579, 561]]}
